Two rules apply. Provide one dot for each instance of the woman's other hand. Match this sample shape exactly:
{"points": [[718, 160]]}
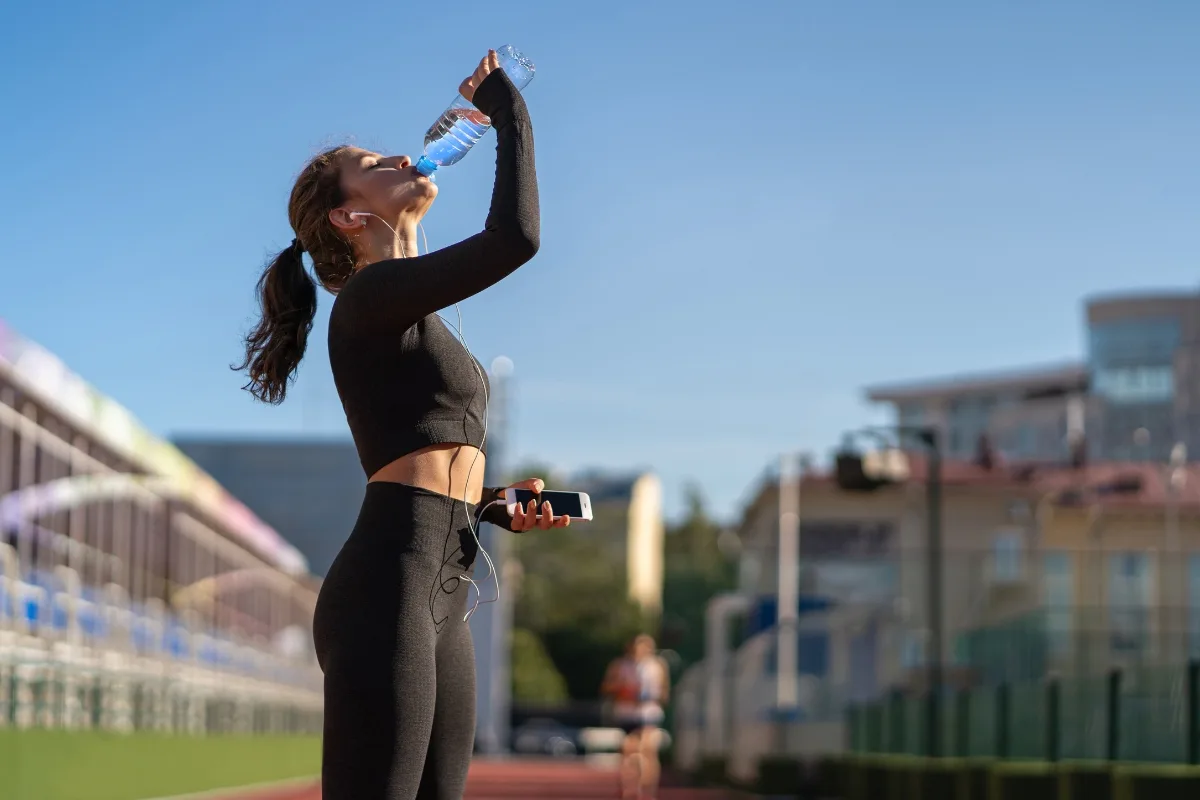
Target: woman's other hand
{"points": [[489, 63]]}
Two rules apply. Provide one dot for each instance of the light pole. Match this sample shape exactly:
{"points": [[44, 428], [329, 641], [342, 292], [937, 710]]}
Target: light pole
{"points": [[788, 597], [1175, 566], [792, 469], [491, 623]]}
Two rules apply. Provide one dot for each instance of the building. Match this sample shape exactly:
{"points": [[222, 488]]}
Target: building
{"points": [[1054, 570], [121, 562], [864, 568], [627, 515], [1118, 562], [312, 489], [863, 626], [1134, 396], [1026, 414], [1144, 359]]}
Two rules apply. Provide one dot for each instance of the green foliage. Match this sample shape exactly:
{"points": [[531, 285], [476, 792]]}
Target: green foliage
{"points": [[905, 777], [574, 598], [578, 605], [534, 676], [696, 570]]}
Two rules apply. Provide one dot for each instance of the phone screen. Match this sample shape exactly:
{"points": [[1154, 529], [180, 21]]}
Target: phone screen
{"points": [[564, 504]]}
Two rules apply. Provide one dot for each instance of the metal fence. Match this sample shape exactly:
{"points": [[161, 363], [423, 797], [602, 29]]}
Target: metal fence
{"points": [[1143, 713], [732, 715], [108, 691]]}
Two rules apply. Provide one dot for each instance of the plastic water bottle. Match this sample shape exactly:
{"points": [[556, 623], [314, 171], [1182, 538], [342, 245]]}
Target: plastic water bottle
{"points": [[462, 125]]}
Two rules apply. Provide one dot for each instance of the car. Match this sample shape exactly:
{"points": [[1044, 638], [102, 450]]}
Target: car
{"points": [[544, 736]]}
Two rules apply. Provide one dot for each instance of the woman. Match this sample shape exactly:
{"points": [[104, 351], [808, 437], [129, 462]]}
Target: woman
{"points": [[389, 625], [638, 685]]}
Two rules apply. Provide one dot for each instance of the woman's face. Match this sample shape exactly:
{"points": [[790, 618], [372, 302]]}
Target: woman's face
{"points": [[385, 185], [643, 647]]}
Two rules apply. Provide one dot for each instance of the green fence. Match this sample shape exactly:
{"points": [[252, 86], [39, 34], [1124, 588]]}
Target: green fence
{"points": [[1143, 714]]}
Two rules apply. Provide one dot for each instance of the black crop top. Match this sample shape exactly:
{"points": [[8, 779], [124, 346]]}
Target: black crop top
{"points": [[404, 378]]}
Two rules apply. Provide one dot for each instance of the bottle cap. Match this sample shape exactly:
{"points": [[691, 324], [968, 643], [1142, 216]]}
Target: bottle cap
{"points": [[425, 166]]}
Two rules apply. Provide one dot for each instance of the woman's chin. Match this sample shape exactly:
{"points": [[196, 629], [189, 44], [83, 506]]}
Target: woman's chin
{"points": [[417, 197], [421, 190]]}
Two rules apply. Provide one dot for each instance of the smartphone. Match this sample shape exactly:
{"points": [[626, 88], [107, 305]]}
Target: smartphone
{"points": [[576, 505]]}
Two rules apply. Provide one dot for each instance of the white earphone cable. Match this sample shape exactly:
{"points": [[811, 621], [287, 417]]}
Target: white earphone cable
{"points": [[472, 524]]}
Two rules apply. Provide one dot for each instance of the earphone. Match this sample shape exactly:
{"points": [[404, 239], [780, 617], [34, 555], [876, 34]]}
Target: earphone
{"points": [[472, 525]]}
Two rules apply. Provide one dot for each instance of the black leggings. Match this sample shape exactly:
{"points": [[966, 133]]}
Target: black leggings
{"points": [[397, 656]]}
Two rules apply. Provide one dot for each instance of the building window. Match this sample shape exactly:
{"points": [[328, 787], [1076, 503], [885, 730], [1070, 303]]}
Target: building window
{"points": [[1129, 599], [1194, 605], [910, 414], [1132, 361], [912, 653], [1135, 385], [1007, 555], [1059, 593], [1134, 342], [968, 420]]}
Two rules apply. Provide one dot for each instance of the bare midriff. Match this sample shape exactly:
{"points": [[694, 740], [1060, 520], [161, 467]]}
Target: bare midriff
{"points": [[440, 468]]}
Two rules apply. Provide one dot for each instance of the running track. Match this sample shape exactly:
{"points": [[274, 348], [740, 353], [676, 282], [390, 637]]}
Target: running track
{"points": [[533, 780]]}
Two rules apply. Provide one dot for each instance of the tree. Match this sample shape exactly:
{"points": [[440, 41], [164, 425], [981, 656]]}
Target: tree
{"points": [[696, 570], [534, 676], [576, 602]]}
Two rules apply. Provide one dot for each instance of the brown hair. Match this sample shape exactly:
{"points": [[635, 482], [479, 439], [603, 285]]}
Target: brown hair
{"points": [[287, 294]]}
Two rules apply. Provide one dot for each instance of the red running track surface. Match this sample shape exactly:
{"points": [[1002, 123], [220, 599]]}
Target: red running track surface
{"points": [[533, 780]]}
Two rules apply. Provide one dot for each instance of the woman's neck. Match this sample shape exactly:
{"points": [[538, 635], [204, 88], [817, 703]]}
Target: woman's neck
{"points": [[382, 241]]}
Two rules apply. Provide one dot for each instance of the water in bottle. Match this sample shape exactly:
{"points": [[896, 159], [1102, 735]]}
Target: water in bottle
{"points": [[462, 125]]}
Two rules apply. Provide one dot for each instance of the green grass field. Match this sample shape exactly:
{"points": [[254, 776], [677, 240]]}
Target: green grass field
{"points": [[59, 765]]}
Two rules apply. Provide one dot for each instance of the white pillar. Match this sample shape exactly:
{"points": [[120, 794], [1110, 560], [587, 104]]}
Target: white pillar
{"points": [[788, 597], [716, 663]]}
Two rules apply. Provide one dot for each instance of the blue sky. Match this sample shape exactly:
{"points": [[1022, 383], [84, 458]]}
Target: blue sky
{"points": [[750, 210]]}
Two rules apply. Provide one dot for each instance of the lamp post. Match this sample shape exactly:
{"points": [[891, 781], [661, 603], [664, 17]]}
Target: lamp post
{"points": [[1175, 563], [788, 597], [491, 624]]}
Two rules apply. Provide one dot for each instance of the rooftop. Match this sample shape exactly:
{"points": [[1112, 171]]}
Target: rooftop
{"points": [[1069, 375], [1104, 484]]}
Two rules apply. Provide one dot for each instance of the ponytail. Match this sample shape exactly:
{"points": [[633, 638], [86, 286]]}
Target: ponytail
{"points": [[288, 300]]}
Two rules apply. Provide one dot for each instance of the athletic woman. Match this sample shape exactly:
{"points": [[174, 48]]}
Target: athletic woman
{"points": [[389, 625], [638, 685]]}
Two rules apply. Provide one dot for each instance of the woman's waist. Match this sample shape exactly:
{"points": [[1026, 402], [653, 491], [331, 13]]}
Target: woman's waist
{"points": [[452, 470], [400, 518], [625, 709]]}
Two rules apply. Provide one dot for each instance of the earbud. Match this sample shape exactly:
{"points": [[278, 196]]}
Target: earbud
{"points": [[354, 214]]}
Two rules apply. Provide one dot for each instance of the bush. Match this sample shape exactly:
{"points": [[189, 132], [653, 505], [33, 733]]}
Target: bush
{"points": [[826, 778], [779, 775], [712, 771], [1146, 782], [915, 778], [977, 778], [873, 781], [900, 778], [1036, 780], [938, 780], [1085, 781], [534, 677]]}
